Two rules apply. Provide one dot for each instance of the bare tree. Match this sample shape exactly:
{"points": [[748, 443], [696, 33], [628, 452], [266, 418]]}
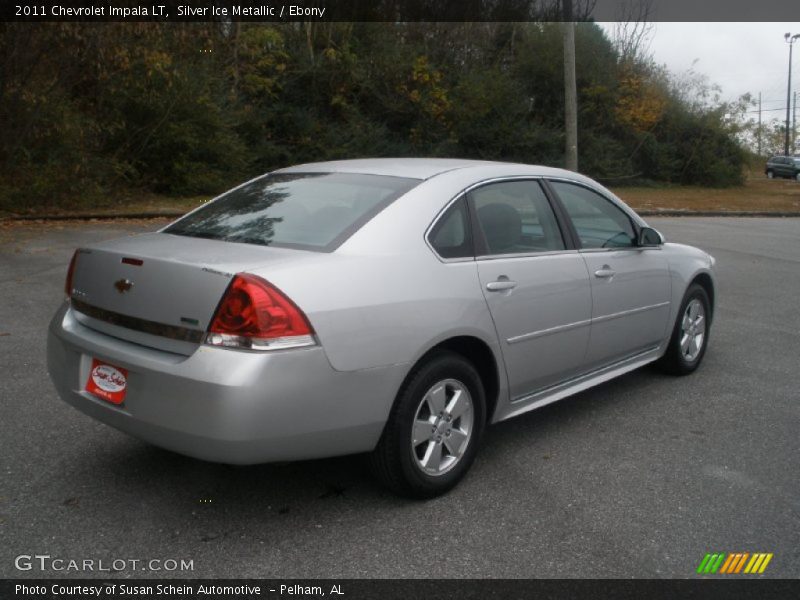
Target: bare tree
{"points": [[633, 30]]}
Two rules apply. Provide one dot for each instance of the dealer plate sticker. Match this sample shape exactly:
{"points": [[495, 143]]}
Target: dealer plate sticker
{"points": [[107, 382]]}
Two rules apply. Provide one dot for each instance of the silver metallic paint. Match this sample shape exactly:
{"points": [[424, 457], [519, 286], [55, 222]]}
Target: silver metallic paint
{"points": [[378, 303]]}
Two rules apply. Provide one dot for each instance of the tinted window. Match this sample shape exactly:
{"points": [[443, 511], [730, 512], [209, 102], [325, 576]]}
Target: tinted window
{"points": [[515, 217], [313, 211], [599, 223], [451, 236]]}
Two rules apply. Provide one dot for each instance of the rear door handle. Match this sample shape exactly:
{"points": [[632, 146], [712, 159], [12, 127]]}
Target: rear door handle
{"points": [[605, 272], [501, 285]]}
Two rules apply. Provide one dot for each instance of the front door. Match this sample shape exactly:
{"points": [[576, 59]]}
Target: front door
{"points": [[630, 285]]}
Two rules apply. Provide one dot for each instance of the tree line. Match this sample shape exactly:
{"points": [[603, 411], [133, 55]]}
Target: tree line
{"points": [[92, 110]]}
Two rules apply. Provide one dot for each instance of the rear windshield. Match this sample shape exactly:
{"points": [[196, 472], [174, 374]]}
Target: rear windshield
{"points": [[310, 211]]}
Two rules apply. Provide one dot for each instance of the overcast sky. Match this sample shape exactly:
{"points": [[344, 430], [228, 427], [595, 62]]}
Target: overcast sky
{"points": [[740, 57]]}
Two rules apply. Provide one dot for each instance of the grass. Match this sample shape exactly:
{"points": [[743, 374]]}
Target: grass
{"points": [[128, 204], [757, 194]]}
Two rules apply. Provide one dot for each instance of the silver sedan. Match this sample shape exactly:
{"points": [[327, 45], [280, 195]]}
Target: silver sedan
{"points": [[390, 306]]}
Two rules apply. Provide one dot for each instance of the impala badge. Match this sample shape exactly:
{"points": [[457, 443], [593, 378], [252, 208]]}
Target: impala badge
{"points": [[123, 285]]}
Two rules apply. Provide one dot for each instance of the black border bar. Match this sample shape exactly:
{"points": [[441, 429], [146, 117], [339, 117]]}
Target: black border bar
{"points": [[33, 11], [402, 589]]}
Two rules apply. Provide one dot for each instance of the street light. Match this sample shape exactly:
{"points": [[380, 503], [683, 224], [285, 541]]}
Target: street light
{"points": [[789, 39]]}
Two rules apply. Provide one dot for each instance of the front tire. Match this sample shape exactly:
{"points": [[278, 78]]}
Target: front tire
{"points": [[433, 431], [689, 340], [770, 175]]}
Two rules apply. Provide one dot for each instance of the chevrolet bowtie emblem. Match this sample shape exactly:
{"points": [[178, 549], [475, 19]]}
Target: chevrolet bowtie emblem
{"points": [[123, 285]]}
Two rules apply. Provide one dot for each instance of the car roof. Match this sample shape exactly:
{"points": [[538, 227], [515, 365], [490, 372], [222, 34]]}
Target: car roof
{"points": [[416, 168]]}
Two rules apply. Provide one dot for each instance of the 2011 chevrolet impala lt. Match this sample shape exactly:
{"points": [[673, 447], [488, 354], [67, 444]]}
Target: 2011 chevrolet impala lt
{"points": [[391, 306]]}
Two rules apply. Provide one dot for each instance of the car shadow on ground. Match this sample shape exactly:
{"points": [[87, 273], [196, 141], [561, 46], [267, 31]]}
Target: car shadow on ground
{"points": [[280, 490]]}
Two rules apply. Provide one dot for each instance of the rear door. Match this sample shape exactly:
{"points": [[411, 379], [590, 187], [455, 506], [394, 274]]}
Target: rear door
{"points": [[536, 286], [630, 285]]}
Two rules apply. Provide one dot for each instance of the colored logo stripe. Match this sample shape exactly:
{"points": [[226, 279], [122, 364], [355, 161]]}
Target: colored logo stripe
{"points": [[758, 563], [710, 563], [734, 562]]}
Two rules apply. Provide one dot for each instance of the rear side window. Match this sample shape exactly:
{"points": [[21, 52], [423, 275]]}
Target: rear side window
{"points": [[309, 211], [599, 223], [516, 218], [451, 236]]}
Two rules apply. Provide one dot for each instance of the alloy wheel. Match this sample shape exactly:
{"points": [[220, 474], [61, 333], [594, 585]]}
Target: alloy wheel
{"points": [[693, 330], [443, 426]]}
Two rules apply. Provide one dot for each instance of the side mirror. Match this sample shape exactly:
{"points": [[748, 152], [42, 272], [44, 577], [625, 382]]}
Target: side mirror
{"points": [[649, 238]]}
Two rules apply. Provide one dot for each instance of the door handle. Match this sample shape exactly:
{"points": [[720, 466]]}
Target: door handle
{"points": [[605, 272], [501, 285]]}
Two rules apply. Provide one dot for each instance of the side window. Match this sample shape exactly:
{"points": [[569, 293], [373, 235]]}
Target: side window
{"points": [[599, 223], [451, 237], [516, 218]]}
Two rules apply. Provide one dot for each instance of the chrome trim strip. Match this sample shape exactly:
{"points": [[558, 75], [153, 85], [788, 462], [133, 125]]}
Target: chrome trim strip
{"points": [[577, 384], [500, 179], [433, 225], [618, 202], [183, 334], [605, 193], [619, 249], [632, 311], [454, 199], [550, 331], [526, 254], [576, 324]]}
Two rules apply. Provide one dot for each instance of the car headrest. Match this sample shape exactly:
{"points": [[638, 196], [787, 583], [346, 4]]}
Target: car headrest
{"points": [[501, 225]]}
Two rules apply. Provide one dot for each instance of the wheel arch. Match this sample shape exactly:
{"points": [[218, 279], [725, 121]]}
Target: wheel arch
{"points": [[704, 280], [481, 356]]}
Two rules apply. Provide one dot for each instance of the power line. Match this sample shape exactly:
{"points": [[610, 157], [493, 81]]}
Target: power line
{"points": [[766, 110]]}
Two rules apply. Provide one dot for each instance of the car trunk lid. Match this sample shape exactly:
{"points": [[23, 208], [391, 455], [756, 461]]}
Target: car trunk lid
{"points": [[160, 290]]}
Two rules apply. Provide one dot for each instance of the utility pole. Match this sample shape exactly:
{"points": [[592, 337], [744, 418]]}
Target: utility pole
{"points": [[790, 39], [759, 123], [794, 125], [570, 90]]}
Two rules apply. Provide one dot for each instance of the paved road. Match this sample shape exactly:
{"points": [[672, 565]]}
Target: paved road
{"points": [[637, 478]]}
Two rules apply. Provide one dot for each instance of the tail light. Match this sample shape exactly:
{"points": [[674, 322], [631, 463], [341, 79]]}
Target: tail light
{"points": [[70, 273], [255, 315]]}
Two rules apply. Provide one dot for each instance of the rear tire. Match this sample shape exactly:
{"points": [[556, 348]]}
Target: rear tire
{"points": [[433, 431], [689, 340]]}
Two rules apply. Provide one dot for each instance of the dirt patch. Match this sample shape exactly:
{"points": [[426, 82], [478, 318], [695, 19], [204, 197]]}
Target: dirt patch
{"points": [[757, 194]]}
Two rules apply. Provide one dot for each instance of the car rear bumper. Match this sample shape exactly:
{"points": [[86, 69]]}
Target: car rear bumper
{"points": [[225, 405]]}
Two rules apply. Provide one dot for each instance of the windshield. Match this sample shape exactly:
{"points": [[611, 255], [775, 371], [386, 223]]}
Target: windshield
{"points": [[310, 211]]}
